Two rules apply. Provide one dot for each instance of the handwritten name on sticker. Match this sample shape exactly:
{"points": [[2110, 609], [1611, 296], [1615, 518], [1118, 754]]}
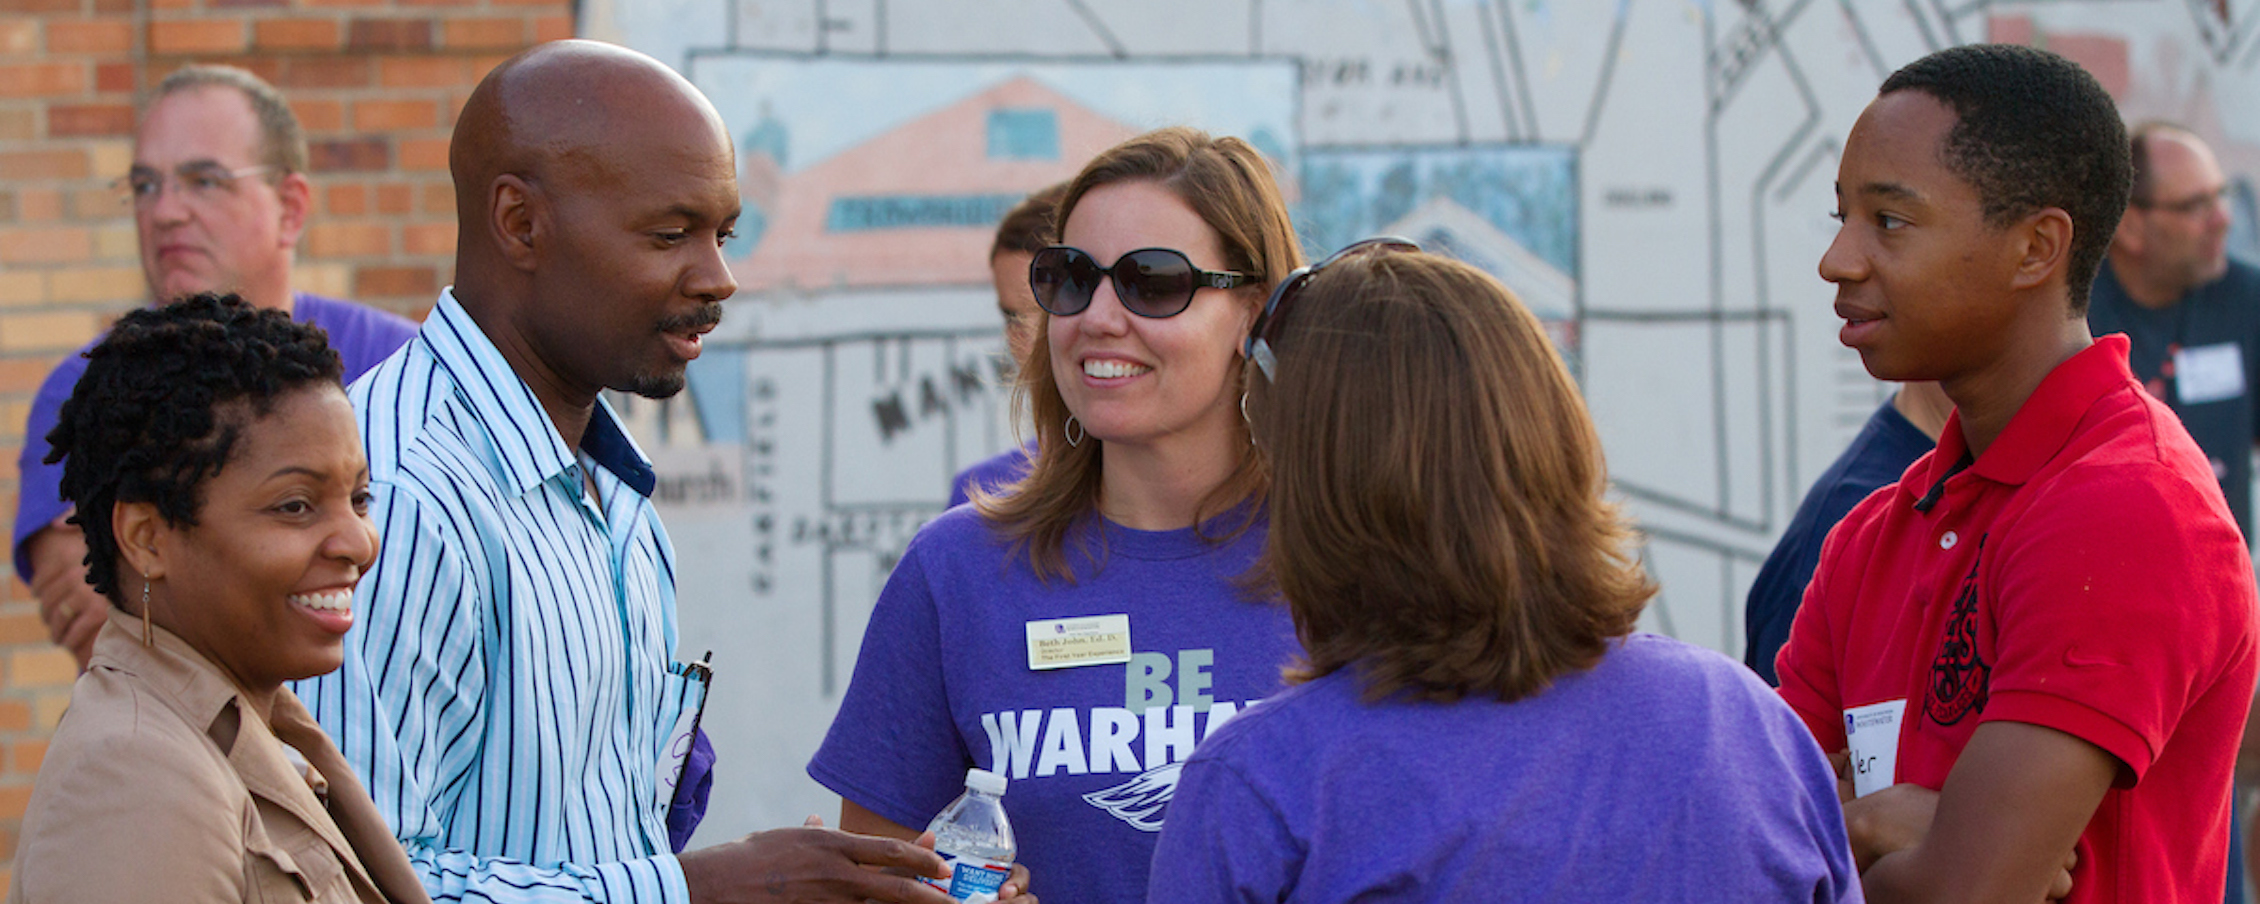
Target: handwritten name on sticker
{"points": [[1871, 732]]}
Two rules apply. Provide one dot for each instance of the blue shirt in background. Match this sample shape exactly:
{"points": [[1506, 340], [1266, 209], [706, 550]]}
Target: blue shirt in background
{"points": [[1878, 455], [989, 474]]}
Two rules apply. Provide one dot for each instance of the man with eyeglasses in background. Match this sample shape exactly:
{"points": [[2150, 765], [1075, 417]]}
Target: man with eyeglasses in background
{"points": [[219, 197], [2191, 314], [2192, 318]]}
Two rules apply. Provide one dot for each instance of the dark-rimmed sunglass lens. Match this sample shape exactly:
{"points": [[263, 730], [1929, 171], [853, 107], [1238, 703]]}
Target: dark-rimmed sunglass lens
{"points": [[1154, 282], [1063, 280]]}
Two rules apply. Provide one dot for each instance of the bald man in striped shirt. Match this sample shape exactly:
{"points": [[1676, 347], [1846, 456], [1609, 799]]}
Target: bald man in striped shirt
{"points": [[509, 692]]}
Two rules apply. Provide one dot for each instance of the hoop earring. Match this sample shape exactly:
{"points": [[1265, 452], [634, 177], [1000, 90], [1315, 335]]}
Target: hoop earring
{"points": [[145, 639], [1073, 431], [1245, 419]]}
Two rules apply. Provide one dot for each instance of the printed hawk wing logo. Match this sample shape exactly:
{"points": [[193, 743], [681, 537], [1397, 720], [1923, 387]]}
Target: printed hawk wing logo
{"points": [[1140, 801]]}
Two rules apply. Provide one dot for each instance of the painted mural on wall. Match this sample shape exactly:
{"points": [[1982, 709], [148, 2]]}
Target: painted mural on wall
{"points": [[1652, 176], [1510, 209]]}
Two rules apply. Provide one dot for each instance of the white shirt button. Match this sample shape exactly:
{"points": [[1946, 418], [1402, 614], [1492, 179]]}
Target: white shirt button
{"points": [[1947, 540]]}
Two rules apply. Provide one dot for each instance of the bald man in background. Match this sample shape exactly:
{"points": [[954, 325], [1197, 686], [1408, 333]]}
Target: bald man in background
{"points": [[509, 692], [2191, 314]]}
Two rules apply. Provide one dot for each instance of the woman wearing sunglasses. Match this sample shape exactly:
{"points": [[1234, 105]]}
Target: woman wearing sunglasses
{"points": [[1081, 630], [219, 480], [1474, 720]]}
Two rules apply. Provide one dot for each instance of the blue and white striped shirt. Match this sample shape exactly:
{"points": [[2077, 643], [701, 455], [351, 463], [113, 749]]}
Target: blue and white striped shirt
{"points": [[508, 683]]}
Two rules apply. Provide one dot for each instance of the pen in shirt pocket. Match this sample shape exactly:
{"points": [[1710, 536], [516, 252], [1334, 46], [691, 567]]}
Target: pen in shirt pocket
{"points": [[675, 755]]}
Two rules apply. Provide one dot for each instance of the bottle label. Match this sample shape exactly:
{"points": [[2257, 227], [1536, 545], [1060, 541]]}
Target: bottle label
{"points": [[971, 877]]}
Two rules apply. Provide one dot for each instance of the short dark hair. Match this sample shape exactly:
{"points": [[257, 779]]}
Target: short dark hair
{"points": [[2033, 131], [1031, 224], [282, 142], [147, 422], [1440, 520]]}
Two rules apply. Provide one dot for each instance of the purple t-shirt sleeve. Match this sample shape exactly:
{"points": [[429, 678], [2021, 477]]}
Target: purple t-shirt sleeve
{"points": [[1223, 843], [893, 749], [363, 336], [39, 497], [989, 474]]}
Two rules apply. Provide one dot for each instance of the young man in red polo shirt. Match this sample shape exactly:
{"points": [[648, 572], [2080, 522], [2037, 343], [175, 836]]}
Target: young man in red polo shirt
{"points": [[2039, 645]]}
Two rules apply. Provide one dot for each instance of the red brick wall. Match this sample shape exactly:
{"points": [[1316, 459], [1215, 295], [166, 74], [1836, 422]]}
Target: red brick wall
{"points": [[376, 83]]}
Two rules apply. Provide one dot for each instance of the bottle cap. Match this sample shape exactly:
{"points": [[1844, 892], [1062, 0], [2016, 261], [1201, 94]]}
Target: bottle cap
{"points": [[984, 781]]}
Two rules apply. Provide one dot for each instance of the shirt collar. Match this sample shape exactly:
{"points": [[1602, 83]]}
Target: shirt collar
{"points": [[2041, 426], [181, 676], [530, 451]]}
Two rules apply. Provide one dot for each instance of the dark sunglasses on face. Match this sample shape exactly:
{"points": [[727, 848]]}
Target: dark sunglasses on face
{"points": [[1151, 282], [1258, 345]]}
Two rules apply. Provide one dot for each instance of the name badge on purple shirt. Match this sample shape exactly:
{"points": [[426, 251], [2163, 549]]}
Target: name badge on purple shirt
{"points": [[1060, 643]]}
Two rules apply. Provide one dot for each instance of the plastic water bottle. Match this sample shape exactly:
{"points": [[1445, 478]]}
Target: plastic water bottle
{"points": [[975, 840]]}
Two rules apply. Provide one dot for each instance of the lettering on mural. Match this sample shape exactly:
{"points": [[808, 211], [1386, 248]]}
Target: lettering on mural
{"points": [[934, 391], [761, 461], [1358, 72], [858, 214], [1740, 53], [706, 482], [1636, 197], [887, 529]]}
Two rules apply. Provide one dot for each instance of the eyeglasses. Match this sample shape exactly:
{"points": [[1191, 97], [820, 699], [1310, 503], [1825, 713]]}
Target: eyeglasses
{"points": [[1258, 346], [1151, 282], [199, 181], [2204, 202]]}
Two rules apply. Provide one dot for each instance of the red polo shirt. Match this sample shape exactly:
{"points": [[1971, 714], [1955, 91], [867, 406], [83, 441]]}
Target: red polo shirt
{"points": [[2083, 574]]}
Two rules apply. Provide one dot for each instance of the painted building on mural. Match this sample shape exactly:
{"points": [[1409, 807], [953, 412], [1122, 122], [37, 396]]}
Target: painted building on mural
{"points": [[862, 219], [1446, 227]]}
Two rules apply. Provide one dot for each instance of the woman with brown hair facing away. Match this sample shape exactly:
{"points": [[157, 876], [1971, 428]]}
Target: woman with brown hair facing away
{"points": [[1475, 719], [219, 479], [1079, 631]]}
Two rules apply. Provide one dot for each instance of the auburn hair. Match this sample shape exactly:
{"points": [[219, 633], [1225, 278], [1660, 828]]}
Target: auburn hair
{"points": [[1230, 185], [1438, 519]]}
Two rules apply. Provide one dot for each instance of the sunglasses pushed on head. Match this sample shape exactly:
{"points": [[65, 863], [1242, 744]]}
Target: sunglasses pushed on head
{"points": [[1258, 346]]}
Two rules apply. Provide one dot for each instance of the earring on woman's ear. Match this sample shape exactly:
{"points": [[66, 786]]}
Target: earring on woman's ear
{"points": [[1073, 431], [1245, 419], [145, 640]]}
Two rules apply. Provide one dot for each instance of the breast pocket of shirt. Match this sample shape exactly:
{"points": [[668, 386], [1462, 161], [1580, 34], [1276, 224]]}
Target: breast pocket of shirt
{"points": [[292, 870]]}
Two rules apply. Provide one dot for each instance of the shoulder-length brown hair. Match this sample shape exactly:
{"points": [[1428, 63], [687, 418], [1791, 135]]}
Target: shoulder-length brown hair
{"points": [[1437, 510], [1230, 186]]}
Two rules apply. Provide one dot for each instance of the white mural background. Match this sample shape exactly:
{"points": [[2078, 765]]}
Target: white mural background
{"points": [[1653, 176]]}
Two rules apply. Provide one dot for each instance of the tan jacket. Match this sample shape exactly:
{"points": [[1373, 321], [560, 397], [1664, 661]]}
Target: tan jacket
{"points": [[163, 784]]}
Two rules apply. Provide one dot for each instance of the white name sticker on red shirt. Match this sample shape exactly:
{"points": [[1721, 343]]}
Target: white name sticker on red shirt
{"points": [[2209, 373], [1872, 733], [1060, 643]]}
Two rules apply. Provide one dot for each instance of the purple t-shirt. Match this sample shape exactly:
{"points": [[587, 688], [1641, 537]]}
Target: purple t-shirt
{"points": [[362, 336], [1666, 773], [999, 470], [943, 684]]}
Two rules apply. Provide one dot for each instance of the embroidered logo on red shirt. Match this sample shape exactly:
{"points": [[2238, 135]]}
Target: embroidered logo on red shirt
{"points": [[1959, 676]]}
